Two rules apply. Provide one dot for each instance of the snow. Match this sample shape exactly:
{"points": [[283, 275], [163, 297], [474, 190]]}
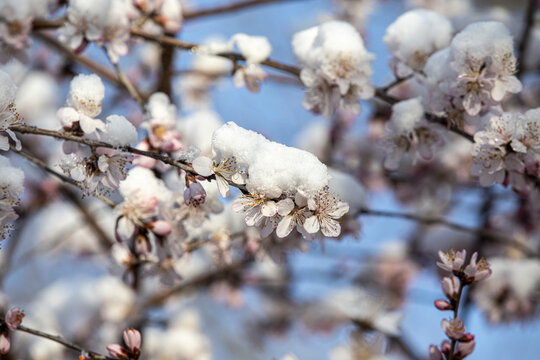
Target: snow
{"points": [[119, 131], [142, 182], [254, 48], [11, 181], [405, 115], [273, 169]]}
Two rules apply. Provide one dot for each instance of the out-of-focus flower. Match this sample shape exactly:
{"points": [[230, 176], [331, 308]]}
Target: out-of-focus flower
{"points": [[477, 271], [453, 329], [132, 339], [14, 318]]}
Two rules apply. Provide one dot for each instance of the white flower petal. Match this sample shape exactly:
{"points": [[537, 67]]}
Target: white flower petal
{"points": [[340, 209], [285, 206], [203, 166], [269, 208], [312, 225], [330, 227], [284, 227], [223, 186]]}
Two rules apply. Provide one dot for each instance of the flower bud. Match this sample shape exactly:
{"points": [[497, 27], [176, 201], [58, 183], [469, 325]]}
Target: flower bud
{"points": [[450, 287], [160, 227], [132, 338], [464, 349], [194, 194], [117, 352], [443, 305], [435, 353], [453, 329]]}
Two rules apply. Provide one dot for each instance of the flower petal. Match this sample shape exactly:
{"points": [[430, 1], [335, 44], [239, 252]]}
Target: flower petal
{"points": [[203, 166], [285, 206], [312, 225]]}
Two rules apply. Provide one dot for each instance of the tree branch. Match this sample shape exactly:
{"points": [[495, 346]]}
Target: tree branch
{"points": [[61, 341]]}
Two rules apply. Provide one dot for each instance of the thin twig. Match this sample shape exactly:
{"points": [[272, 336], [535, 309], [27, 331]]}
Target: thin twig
{"points": [[441, 221], [222, 9], [528, 22], [134, 92], [60, 340]]}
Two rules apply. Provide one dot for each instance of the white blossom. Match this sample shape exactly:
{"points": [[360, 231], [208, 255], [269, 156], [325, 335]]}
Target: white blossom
{"points": [[8, 113], [326, 209], [11, 187]]}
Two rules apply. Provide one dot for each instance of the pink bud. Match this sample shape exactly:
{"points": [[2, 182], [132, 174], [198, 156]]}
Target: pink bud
{"points": [[464, 349], [435, 353], [160, 227], [450, 287], [446, 347], [443, 305], [194, 194], [4, 343], [14, 318], [117, 351], [132, 338]]}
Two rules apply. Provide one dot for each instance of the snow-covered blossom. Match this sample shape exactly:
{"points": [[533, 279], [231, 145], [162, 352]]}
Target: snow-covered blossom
{"points": [[160, 122], [255, 49], [169, 15], [15, 26], [8, 113], [103, 21], [86, 92], [11, 187], [273, 169], [326, 210], [474, 73], [409, 132], [414, 36], [336, 67]]}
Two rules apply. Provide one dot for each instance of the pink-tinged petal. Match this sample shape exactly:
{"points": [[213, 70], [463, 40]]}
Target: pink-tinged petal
{"points": [[284, 227], [464, 349], [5, 345], [14, 318], [269, 208], [223, 186], [160, 227], [312, 225], [285, 206], [435, 353], [132, 338], [203, 165], [117, 351]]}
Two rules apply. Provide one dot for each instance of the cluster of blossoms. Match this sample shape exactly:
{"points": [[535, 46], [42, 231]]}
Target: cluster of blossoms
{"points": [[512, 292], [16, 23], [461, 275], [408, 132], [414, 37], [507, 150], [336, 68], [108, 23], [11, 322], [473, 74], [94, 168], [11, 187], [279, 195]]}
